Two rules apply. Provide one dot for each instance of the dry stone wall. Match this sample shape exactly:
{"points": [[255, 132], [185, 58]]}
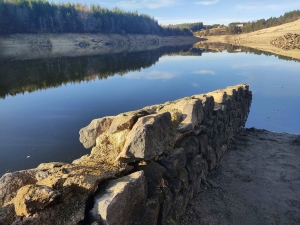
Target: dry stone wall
{"points": [[144, 166], [287, 42]]}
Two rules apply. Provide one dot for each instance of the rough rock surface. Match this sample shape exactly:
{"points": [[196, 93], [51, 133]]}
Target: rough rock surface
{"points": [[187, 111], [154, 174], [61, 190], [31, 199], [149, 137], [10, 183], [120, 201], [89, 133]]}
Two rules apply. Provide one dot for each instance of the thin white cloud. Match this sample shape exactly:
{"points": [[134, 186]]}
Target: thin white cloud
{"points": [[205, 72], [152, 75], [252, 65], [151, 4], [194, 85], [207, 2], [258, 6]]}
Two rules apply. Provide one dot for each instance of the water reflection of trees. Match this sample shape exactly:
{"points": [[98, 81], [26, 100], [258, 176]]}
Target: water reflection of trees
{"points": [[30, 75], [260, 52], [218, 46]]}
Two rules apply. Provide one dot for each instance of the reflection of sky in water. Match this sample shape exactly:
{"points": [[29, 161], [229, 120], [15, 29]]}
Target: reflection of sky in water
{"points": [[44, 124]]}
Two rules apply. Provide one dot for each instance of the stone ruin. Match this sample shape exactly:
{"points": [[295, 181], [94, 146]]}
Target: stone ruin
{"points": [[143, 168], [287, 42]]}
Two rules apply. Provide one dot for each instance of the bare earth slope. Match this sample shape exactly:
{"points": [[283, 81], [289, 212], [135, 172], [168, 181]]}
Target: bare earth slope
{"points": [[257, 182], [262, 39]]}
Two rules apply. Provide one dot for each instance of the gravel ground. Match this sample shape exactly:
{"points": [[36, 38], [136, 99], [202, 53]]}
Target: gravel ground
{"points": [[256, 182]]}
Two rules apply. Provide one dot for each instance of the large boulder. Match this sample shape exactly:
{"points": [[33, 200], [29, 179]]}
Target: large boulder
{"points": [[89, 133], [10, 183], [123, 121], [189, 113], [109, 146], [149, 137], [31, 199], [121, 200], [192, 115]]}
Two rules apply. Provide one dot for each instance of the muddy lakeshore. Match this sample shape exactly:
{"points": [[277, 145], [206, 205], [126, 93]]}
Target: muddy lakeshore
{"points": [[256, 182]]}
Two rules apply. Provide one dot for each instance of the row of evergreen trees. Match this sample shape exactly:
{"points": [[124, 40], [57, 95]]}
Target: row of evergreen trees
{"points": [[40, 16], [262, 23], [188, 26]]}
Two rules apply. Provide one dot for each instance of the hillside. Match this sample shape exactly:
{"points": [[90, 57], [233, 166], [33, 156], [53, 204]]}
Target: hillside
{"points": [[263, 39], [41, 16]]}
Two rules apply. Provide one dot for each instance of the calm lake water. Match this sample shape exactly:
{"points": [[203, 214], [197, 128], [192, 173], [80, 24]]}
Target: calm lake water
{"points": [[44, 103]]}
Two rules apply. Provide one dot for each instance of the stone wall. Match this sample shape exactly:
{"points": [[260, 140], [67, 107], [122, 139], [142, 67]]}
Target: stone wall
{"points": [[143, 168]]}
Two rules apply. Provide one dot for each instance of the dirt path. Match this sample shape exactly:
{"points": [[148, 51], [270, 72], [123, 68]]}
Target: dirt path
{"points": [[257, 182], [262, 39]]}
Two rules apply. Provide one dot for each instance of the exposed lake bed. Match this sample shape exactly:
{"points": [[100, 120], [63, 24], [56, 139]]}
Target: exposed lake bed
{"points": [[274, 39]]}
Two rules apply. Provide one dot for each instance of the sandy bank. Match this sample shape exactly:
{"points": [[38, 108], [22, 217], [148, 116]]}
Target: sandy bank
{"points": [[32, 46], [257, 182], [261, 39]]}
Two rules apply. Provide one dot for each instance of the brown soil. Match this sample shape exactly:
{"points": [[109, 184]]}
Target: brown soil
{"points": [[257, 182], [262, 39]]}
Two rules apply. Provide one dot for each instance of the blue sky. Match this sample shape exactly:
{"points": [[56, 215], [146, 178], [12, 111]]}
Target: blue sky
{"points": [[207, 11]]}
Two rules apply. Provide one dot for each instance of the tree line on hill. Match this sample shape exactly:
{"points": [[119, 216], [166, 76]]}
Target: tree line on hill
{"points": [[188, 26], [262, 23], [40, 16]]}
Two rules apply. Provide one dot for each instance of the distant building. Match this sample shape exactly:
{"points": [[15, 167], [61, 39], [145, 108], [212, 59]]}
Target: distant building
{"points": [[240, 25]]}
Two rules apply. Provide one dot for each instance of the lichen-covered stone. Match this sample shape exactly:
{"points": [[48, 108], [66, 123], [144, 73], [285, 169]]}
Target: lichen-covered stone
{"points": [[89, 133], [149, 137], [31, 199], [122, 122], [121, 200], [192, 115], [10, 183]]}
